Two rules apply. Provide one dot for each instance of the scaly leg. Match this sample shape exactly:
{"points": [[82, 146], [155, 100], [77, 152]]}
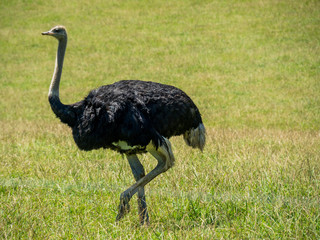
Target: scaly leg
{"points": [[138, 173], [165, 160]]}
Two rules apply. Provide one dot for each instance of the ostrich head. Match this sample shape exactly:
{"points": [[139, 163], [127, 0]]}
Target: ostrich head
{"points": [[59, 32]]}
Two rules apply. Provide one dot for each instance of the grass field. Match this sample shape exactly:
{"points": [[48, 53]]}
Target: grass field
{"points": [[253, 69]]}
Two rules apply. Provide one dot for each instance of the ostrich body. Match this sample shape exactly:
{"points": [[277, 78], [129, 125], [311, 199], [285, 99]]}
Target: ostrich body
{"points": [[130, 117]]}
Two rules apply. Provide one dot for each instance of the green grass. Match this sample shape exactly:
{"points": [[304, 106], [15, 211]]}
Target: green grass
{"points": [[252, 67]]}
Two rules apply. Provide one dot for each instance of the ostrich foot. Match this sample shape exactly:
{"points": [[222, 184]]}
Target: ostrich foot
{"points": [[144, 217], [124, 207], [142, 208]]}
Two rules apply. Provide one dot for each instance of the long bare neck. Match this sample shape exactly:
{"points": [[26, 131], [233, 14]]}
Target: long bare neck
{"points": [[55, 82], [64, 112]]}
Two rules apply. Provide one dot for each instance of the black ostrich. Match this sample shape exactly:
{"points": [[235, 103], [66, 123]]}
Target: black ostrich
{"points": [[130, 117]]}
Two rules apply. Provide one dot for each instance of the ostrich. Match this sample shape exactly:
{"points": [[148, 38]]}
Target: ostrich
{"points": [[131, 117]]}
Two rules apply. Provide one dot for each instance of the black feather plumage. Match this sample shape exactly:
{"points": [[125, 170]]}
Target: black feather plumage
{"points": [[132, 111]]}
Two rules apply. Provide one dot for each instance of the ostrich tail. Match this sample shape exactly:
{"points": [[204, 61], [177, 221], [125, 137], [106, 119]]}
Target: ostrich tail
{"points": [[196, 137]]}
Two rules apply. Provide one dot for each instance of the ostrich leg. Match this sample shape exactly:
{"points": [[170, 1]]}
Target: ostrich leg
{"points": [[165, 159], [138, 173]]}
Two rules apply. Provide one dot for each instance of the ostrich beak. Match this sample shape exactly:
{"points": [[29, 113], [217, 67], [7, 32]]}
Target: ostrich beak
{"points": [[47, 33]]}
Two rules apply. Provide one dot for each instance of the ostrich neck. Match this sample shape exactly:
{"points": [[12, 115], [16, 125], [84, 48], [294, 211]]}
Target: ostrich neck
{"points": [[64, 112], [55, 82]]}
